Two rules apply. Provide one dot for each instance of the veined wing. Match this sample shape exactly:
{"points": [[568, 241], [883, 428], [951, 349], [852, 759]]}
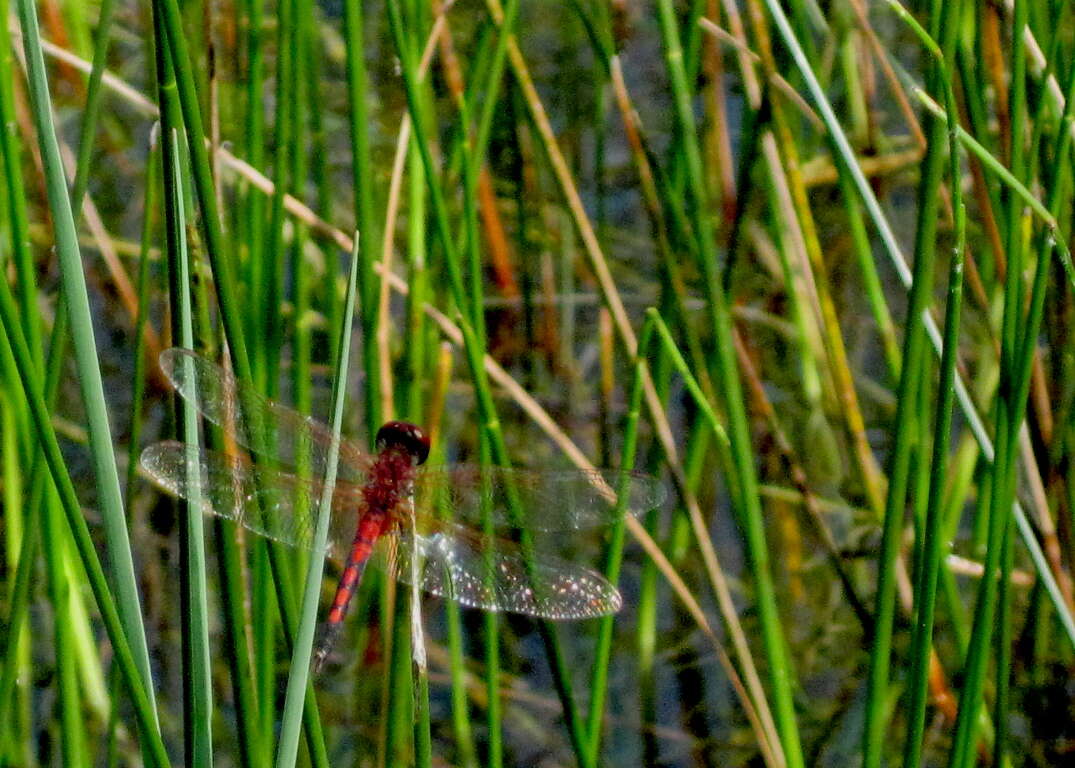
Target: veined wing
{"points": [[492, 574], [258, 423], [549, 500], [270, 503]]}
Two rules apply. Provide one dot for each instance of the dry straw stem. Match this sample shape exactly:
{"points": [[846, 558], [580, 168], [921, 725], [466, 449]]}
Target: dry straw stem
{"points": [[840, 370], [775, 78]]}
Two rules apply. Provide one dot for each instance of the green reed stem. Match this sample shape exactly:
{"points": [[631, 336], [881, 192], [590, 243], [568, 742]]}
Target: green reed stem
{"points": [[32, 391], [614, 553], [1018, 341], [175, 43], [141, 321], [92, 111], [197, 683], [298, 679], [491, 91], [252, 226], [22, 534], [907, 412], [72, 737], [110, 497], [751, 518], [275, 251], [39, 477], [365, 200], [932, 534], [1009, 350], [11, 166], [302, 94]]}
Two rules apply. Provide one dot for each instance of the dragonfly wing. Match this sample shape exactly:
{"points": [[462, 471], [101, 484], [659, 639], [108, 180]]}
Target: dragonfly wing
{"points": [[493, 574], [553, 500], [273, 504], [258, 423]]}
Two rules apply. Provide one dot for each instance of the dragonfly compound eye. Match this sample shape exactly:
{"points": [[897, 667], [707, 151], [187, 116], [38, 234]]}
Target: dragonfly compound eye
{"points": [[404, 435]]}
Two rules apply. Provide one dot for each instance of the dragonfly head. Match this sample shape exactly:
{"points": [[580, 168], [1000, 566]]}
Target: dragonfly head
{"points": [[405, 436]]}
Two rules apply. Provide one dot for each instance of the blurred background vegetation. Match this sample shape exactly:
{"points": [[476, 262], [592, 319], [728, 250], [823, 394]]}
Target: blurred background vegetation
{"points": [[723, 241]]}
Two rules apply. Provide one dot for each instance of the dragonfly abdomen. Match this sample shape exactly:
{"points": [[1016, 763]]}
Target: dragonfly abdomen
{"points": [[369, 528], [366, 536]]}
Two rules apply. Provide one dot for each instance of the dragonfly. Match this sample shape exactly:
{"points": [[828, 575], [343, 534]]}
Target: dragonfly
{"points": [[445, 529]]}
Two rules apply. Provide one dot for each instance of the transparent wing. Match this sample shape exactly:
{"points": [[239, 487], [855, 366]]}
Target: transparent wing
{"points": [[550, 500], [492, 574], [257, 423], [268, 502]]}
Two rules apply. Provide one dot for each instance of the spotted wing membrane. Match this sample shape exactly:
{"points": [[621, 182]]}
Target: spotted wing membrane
{"points": [[258, 423], [268, 502], [545, 500], [493, 574]]}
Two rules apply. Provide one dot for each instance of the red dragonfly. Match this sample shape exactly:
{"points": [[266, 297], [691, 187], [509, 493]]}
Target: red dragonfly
{"points": [[390, 507]]}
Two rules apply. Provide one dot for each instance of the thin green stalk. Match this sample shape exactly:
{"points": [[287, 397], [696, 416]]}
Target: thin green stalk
{"points": [[11, 167], [614, 552], [932, 534], [149, 212], [963, 741], [751, 517], [110, 497], [491, 90], [302, 96], [679, 363], [399, 712], [471, 164], [419, 693], [906, 427], [297, 681], [1010, 412], [174, 41], [417, 277], [251, 223], [32, 391], [22, 534], [72, 737], [197, 684], [460, 715], [88, 127], [491, 635], [645, 647], [871, 281], [365, 199], [263, 619], [1009, 351], [16, 650], [272, 324], [39, 477], [1003, 643], [423, 747]]}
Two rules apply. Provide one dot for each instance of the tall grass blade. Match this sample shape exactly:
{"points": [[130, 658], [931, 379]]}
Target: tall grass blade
{"points": [[121, 563], [294, 699]]}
